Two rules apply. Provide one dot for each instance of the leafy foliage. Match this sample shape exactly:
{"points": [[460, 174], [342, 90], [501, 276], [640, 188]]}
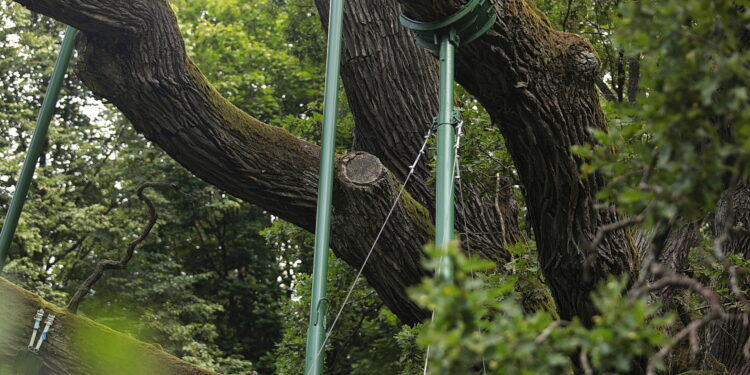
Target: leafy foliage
{"points": [[362, 341], [203, 284], [687, 136], [479, 326], [222, 284]]}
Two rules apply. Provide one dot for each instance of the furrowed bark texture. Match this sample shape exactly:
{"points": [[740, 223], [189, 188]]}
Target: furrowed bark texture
{"points": [[392, 88], [148, 76], [110, 16], [674, 256], [76, 345], [671, 248], [539, 87], [726, 338], [536, 83]]}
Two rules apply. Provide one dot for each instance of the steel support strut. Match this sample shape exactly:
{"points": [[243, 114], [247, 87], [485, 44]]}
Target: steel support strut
{"points": [[446, 137], [37, 143], [316, 331], [469, 23]]}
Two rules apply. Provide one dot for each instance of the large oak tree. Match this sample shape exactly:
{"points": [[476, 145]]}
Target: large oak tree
{"points": [[537, 84]]}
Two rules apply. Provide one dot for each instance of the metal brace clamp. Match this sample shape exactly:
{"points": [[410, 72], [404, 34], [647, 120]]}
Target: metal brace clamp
{"points": [[321, 310], [455, 120], [47, 325], [467, 24], [37, 322]]}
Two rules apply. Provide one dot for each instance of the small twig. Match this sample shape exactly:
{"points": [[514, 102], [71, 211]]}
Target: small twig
{"points": [[548, 331], [591, 247], [104, 265], [634, 76], [649, 170], [606, 91], [690, 330], [567, 15], [668, 277], [637, 219], [624, 223], [671, 278], [585, 366]]}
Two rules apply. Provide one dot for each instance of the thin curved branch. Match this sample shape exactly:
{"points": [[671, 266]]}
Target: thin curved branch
{"points": [[567, 15], [606, 91], [669, 278], [107, 264]]}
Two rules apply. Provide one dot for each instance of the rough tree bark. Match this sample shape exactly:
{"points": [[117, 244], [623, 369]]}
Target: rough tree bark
{"points": [[139, 63], [380, 58], [76, 345], [726, 339], [536, 83]]}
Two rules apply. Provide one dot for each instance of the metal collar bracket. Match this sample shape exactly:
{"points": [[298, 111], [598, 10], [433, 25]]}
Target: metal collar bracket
{"points": [[463, 27], [455, 119]]}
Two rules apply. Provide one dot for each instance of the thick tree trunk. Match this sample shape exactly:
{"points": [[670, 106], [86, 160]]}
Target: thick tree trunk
{"points": [[536, 83], [539, 87], [76, 345], [726, 339], [392, 88]]}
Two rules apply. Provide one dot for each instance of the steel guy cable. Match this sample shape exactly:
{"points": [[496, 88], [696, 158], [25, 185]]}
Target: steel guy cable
{"points": [[372, 248]]}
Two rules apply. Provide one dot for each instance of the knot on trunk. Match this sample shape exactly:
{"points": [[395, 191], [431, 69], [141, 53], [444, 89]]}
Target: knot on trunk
{"points": [[583, 61], [361, 168]]}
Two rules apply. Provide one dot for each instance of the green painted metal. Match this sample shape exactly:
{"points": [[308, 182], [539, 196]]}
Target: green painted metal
{"points": [[318, 306], [446, 138], [468, 23], [37, 142]]}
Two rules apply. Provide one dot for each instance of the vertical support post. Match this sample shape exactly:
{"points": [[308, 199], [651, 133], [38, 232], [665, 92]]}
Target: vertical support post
{"points": [[37, 142], [318, 305], [446, 138]]}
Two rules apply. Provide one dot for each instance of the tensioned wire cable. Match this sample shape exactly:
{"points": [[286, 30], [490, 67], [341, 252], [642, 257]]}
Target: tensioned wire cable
{"points": [[466, 232], [456, 174], [375, 242]]}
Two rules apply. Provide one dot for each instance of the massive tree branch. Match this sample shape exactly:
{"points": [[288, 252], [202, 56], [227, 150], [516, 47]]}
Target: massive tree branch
{"points": [[103, 16], [537, 84], [77, 345], [149, 77]]}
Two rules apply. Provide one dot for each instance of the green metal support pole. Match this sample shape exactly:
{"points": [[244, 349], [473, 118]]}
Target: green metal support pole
{"points": [[446, 138], [318, 306], [37, 142], [470, 22]]}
